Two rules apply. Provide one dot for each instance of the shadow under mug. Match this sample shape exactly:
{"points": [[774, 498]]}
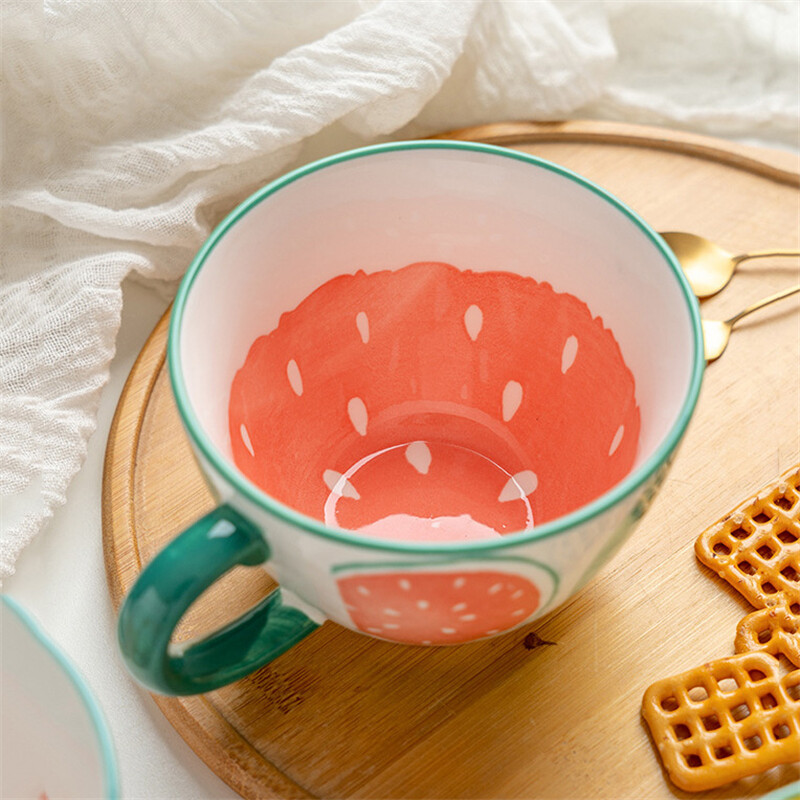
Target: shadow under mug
{"points": [[423, 334]]}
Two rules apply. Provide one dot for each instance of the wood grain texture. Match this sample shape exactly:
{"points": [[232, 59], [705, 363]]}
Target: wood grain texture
{"points": [[550, 715]]}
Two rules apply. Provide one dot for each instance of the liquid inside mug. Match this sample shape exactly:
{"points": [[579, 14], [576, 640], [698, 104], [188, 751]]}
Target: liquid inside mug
{"points": [[434, 385]]}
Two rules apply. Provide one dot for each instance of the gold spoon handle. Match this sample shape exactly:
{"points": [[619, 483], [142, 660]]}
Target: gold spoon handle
{"points": [[765, 302], [765, 254]]}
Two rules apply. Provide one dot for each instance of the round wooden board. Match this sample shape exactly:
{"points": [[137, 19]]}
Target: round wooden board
{"points": [[553, 715]]}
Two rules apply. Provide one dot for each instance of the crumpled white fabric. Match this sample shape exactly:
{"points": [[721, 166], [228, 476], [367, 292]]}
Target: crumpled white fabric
{"points": [[132, 126]]}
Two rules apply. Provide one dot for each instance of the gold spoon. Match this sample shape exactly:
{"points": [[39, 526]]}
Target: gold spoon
{"points": [[707, 266], [717, 332]]}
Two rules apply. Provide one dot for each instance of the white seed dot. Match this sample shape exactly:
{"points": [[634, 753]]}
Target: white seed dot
{"points": [[295, 378], [459, 607], [338, 484], [357, 412], [617, 440], [464, 392], [423, 604], [448, 630], [473, 321], [404, 584], [518, 613], [568, 353], [518, 486], [458, 583], [419, 456], [427, 641], [331, 478], [362, 590], [517, 594], [246, 439], [495, 588], [391, 612], [468, 617], [527, 481], [374, 630], [362, 323], [390, 626], [492, 632], [512, 399]]}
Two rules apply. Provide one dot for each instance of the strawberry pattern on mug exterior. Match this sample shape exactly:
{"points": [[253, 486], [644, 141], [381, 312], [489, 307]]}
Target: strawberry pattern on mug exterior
{"points": [[444, 603]]}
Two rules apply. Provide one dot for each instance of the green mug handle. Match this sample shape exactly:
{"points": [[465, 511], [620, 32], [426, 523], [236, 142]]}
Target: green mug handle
{"points": [[169, 585]]}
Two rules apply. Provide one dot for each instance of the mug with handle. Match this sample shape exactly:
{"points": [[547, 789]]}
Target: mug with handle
{"points": [[434, 386]]}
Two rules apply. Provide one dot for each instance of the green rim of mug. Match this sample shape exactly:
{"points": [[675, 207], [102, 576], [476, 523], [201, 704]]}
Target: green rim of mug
{"points": [[107, 757], [244, 486]]}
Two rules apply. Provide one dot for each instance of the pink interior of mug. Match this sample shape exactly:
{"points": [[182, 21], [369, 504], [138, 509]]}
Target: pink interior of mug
{"points": [[465, 397], [433, 403]]}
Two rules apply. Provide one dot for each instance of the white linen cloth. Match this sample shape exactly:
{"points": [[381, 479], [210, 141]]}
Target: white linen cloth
{"points": [[131, 126]]}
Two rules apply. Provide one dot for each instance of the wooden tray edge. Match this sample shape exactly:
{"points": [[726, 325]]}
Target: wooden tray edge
{"points": [[781, 166]]}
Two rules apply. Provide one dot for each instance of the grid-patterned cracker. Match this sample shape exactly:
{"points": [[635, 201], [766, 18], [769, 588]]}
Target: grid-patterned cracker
{"points": [[756, 547], [774, 630], [724, 720]]}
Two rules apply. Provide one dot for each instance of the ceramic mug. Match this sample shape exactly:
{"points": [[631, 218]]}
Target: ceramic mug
{"points": [[433, 384]]}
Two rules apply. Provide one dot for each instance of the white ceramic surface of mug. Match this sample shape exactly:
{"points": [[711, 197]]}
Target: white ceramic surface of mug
{"points": [[465, 215]]}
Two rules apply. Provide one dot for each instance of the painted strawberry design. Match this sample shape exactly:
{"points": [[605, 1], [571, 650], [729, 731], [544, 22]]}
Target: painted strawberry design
{"points": [[432, 403], [448, 606]]}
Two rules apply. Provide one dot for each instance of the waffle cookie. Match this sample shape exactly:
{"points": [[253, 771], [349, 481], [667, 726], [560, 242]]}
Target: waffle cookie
{"points": [[774, 630], [756, 547], [725, 720]]}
